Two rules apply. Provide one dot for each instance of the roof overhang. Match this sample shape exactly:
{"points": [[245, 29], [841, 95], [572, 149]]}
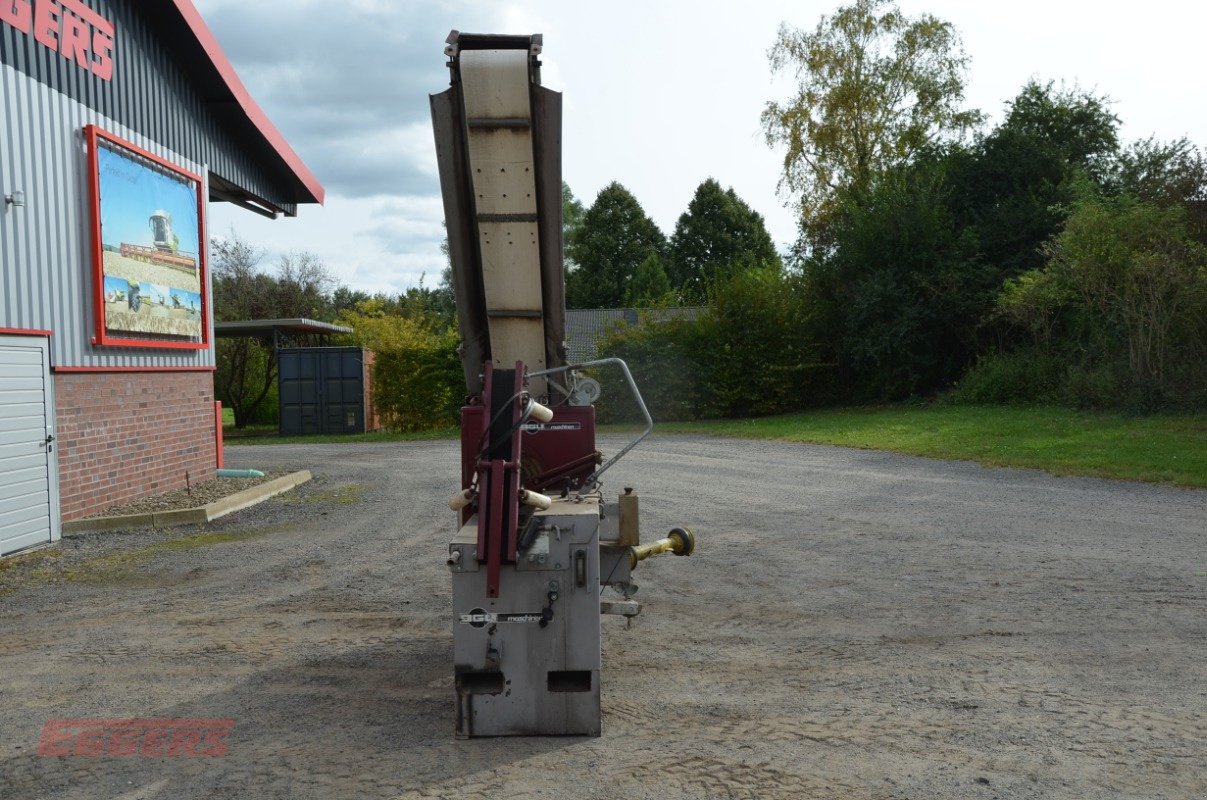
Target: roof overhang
{"points": [[267, 327], [229, 101]]}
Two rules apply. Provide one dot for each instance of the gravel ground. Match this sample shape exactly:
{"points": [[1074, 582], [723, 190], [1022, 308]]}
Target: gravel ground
{"points": [[854, 624], [195, 496]]}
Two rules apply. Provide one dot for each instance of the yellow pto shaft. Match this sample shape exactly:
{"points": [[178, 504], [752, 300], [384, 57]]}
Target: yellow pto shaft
{"points": [[679, 541]]}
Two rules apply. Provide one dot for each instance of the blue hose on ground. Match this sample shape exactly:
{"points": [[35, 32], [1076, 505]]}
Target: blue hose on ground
{"points": [[240, 473]]}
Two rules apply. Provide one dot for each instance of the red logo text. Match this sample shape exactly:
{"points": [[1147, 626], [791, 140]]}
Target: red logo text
{"points": [[135, 737], [70, 28]]}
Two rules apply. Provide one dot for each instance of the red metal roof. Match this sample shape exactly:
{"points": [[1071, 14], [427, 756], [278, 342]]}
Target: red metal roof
{"points": [[255, 114]]}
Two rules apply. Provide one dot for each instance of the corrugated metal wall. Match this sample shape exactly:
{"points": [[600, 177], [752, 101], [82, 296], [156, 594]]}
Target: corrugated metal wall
{"points": [[46, 275], [150, 93], [45, 102]]}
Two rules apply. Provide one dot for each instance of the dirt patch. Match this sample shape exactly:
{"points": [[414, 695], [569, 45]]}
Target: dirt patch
{"points": [[200, 494]]}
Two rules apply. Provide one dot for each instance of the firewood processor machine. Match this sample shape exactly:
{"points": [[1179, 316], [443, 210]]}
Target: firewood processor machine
{"points": [[537, 545]]}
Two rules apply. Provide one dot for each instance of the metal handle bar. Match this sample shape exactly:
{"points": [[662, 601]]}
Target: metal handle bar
{"points": [[592, 480]]}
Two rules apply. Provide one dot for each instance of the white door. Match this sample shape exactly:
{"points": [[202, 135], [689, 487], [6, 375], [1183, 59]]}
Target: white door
{"points": [[29, 501]]}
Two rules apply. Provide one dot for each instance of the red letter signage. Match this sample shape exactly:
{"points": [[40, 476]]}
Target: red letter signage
{"points": [[69, 27]]}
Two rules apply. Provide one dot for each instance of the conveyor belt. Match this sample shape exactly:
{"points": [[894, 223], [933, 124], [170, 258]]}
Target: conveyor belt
{"points": [[498, 145]]}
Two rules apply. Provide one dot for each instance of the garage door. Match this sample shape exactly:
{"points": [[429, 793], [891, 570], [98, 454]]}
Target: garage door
{"points": [[28, 484]]}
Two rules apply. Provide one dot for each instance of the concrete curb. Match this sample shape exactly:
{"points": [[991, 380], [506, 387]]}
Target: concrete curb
{"points": [[192, 516]]}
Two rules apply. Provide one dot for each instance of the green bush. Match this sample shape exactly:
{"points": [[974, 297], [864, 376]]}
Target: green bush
{"points": [[268, 411], [668, 361], [1021, 378], [749, 353], [1114, 319], [759, 344], [418, 383], [1102, 385]]}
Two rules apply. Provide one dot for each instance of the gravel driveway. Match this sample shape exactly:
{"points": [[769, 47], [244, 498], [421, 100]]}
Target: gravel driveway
{"points": [[854, 624]]}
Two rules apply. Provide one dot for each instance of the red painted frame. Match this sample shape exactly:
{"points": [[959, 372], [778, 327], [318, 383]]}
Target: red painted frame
{"points": [[219, 459], [25, 332], [101, 338]]}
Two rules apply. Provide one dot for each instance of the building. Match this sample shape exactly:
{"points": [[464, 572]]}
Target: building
{"points": [[121, 121]]}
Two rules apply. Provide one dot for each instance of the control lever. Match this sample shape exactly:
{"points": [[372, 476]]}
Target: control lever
{"points": [[547, 611]]}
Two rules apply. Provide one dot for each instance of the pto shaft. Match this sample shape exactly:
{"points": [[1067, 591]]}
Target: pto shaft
{"points": [[679, 541]]}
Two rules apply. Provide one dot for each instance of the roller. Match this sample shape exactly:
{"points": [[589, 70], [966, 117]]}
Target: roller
{"points": [[462, 499], [535, 499], [539, 412]]}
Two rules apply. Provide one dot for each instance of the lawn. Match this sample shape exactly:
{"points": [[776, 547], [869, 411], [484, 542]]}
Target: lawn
{"points": [[328, 438], [1165, 449], [1162, 449], [267, 434]]}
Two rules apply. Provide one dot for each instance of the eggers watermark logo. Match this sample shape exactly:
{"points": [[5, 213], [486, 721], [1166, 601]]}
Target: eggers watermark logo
{"points": [[136, 737]]}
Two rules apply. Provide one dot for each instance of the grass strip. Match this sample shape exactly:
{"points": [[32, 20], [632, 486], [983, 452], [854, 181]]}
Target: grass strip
{"points": [[1161, 449]]}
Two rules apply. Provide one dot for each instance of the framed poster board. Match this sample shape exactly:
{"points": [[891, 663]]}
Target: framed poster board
{"points": [[148, 248]]}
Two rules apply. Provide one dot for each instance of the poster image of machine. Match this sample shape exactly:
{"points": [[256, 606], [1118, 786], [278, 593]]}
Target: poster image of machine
{"points": [[150, 223]]}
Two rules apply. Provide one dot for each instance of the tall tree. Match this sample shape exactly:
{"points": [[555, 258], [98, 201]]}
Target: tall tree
{"points": [[1013, 186], [1166, 174], [900, 291], [304, 286], [1074, 123], [649, 284], [717, 236], [615, 238], [572, 220], [246, 368], [874, 88]]}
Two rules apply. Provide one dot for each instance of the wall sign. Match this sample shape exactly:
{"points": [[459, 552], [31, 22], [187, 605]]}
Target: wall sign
{"points": [[148, 248], [68, 27]]}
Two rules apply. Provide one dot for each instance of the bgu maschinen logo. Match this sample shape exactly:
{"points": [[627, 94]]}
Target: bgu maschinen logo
{"points": [[169, 738]]}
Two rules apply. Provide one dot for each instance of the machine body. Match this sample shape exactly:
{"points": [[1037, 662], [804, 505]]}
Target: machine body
{"points": [[536, 544]]}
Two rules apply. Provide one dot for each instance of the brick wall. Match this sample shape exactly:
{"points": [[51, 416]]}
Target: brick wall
{"points": [[126, 435], [372, 421]]}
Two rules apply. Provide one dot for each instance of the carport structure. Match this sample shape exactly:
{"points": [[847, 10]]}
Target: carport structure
{"points": [[321, 388]]}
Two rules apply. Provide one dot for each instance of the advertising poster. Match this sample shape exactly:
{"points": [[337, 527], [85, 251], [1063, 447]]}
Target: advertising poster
{"points": [[150, 248]]}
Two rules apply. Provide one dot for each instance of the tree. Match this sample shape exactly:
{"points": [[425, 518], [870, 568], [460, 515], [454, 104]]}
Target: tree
{"points": [[1166, 174], [304, 286], [1074, 123], [899, 292], [649, 283], [572, 219], [1013, 187], [874, 88], [615, 238], [717, 237], [246, 368], [345, 299], [1136, 266]]}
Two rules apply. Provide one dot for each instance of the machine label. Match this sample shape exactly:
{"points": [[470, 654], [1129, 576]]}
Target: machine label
{"points": [[480, 617], [537, 427]]}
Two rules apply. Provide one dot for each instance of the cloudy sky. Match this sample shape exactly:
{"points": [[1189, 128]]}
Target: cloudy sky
{"points": [[659, 95]]}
